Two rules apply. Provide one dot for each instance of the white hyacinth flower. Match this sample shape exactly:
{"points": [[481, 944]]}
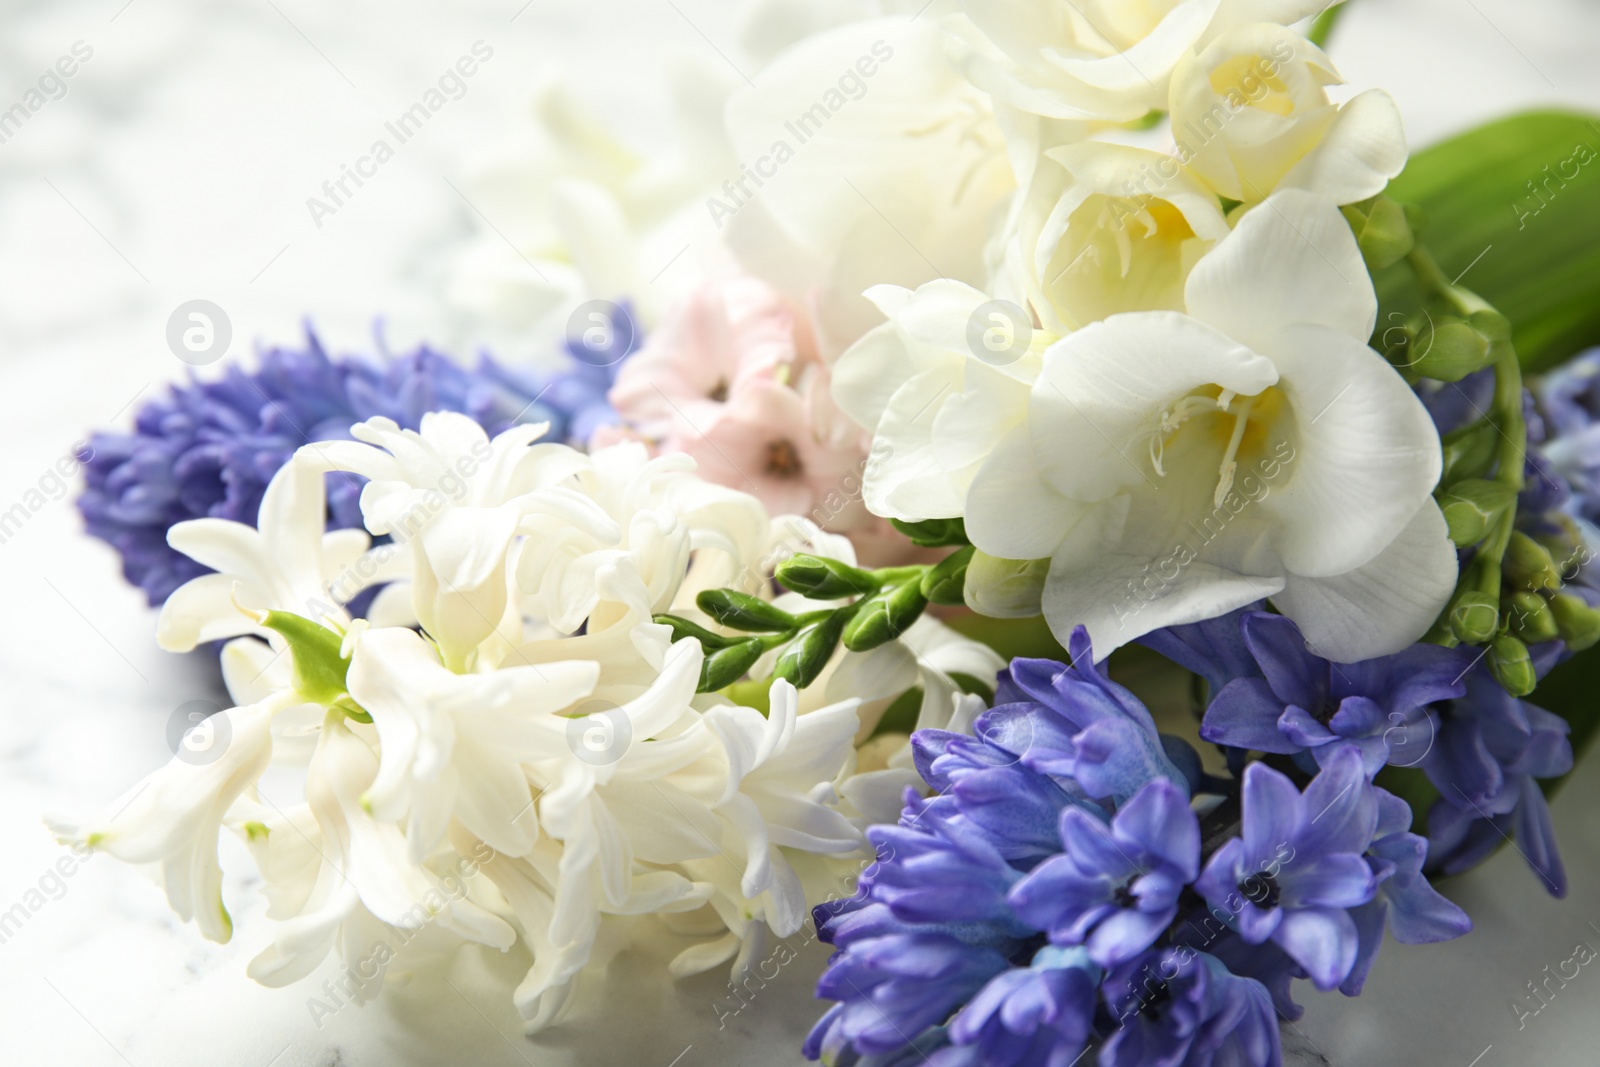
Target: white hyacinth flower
{"points": [[174, 817], [524, 755], [457, 499], [286, 561]]}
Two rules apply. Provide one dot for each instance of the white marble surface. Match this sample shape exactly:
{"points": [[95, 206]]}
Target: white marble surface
{"points": [[177, 166]]}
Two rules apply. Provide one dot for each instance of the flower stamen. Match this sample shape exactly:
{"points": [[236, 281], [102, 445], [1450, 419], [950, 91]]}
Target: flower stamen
{"points": [[1230, 464]]}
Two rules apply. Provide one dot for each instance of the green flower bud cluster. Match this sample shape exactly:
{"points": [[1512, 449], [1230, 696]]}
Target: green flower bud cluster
{"points": [[882, 605], [1509, 594]]}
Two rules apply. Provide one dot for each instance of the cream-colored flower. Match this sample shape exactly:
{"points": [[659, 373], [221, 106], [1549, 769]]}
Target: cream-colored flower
{"points": [[1097, 59], [934, 394], [875, 163], [1251, 113], [1108, 229], [574, 213], [1174, 466]]}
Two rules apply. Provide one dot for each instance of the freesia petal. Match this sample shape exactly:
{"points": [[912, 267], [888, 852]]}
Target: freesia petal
{"points": [[1358, 154], [1383, 606], [1366, 453], [1291, 260], [1094, 404], [1011, 511]]}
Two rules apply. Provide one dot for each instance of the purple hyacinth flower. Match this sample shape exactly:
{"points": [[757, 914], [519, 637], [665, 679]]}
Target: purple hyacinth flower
{"points": [[1182, 1008], [1115, 887], [1076, 723], [1300, 865], [1492, 748], [893, 987], [1268, 964], [1214, 649], [1035, 1016], [1456, 404], [1304, 703], [1569, 403], [209, 448], [1019, 808], [945, 869], [1406, 904]]}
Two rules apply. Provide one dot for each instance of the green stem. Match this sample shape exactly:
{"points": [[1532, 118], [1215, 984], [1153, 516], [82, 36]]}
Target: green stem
{"points": [[1505, 412]]}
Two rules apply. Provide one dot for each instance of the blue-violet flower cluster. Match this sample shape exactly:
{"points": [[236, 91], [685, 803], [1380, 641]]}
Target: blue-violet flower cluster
{"points": [[1060, 891], [209, 448]]}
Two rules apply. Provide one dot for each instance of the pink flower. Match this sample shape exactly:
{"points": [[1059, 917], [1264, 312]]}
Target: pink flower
{"points": [[763, 441], [726, 334], [733, 379]]}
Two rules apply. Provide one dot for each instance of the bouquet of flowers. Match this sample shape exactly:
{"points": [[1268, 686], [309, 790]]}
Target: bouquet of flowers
{"points": [[1026, 351]]}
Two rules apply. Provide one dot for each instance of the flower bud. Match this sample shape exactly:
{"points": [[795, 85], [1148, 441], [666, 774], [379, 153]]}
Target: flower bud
{"points": [[1511, 666], [1531, 618], [1470, 507], [947, 582], [824, 579], [1474, 617], [1385, 237], [1454, 351], [1578, 623], [741, 611], [727, 665], [884, 617], [805, 657], [1528, 564], [1470, 451], [933, 533], [1493, 325], [682, 628]]}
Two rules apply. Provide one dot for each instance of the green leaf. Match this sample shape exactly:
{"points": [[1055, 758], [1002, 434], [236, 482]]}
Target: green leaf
{"points": [[1513, 212]]}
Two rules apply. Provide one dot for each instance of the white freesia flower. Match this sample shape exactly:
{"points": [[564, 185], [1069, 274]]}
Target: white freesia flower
{"points": [[934, 406], [877, 162], [1176, 466], [1251, 113], [1123, 230], [1097, 59]]}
